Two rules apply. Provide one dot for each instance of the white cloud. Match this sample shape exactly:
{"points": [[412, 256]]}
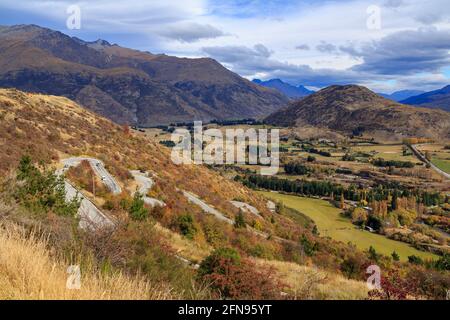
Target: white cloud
{"points": [[299, 40]]}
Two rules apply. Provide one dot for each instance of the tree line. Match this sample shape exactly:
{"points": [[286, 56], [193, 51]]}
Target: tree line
{"points": [[335, 191]]}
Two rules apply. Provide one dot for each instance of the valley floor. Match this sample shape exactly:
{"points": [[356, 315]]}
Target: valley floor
{"points": [[331, 223]]}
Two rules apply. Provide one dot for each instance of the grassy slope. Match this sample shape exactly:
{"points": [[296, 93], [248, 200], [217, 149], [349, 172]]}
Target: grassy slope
{"points": [[444, 165], [330, 223], [29, 271], [305, 282]]}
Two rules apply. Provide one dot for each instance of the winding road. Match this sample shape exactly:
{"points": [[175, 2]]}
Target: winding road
{"points": [[206, 208], [145, 184], [246, 207], [426, 161], [91, 217], [99, 169]]}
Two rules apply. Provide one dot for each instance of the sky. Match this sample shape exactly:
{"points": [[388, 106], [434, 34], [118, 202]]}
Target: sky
{"points": [[386, 45]]}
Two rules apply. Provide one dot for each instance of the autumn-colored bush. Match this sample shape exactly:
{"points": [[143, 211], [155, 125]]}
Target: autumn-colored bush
{"points": [[353, 267], [394, 286], [233, 277], [429, 283]]}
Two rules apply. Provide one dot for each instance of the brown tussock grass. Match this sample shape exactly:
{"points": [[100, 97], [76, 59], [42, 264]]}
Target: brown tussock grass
{"points": [[29, 271], [305, 282]]}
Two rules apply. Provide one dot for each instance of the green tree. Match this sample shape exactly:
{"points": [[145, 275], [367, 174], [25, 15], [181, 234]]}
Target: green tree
{"points": [[315, 231], [373, 255], [415, 260], [443, 263], [309, 247], [240, 220], [394, 202], [137, 209], [42, 191], [395, 256], [186, 226]]}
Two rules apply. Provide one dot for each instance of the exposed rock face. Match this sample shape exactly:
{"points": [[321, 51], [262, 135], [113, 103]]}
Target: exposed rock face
{"points": [[126, 85]]}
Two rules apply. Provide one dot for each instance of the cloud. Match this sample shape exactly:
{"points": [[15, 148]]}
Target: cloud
{"points": [[393, 3], [286, 34], [258, 61], [406, 52], [191, 32], [432, 12], [326, 47], [239, 54], [350, 50], [302, 47], [407, 58]]}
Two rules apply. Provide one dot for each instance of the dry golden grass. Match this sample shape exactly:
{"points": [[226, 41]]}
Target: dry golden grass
{"points": [[29, 271], [184, 247], [304, 282]]}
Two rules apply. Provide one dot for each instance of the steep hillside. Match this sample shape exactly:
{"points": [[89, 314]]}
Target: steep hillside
{"points": [[291, 91], [50, 128], [357, 109], [28, 256], [163, 246], [434, 99], [126, 85]]}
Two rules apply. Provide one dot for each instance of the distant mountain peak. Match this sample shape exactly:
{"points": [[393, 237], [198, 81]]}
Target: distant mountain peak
{"points": [[433, 99], [287, 89], [401, 94], [101, 42]]}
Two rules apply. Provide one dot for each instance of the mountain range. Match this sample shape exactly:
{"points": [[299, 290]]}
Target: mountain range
{"points": [[433, 99], [356, 109], [287, 89], [126, 85], [401, 95]]}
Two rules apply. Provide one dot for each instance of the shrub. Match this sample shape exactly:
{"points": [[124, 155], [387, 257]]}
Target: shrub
{"points": [[186, 226], [210, 263], [405, 217], [395, 256], [309, 247], [443, 263], [429, 283], [392, 163], [43, 191], [373, 255], [256, 224], [415, 260], [352, 267], [295, 168], [137, 209], [394, 287], [240, 220], [348, 157], [236, 278], [359, 216]]}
